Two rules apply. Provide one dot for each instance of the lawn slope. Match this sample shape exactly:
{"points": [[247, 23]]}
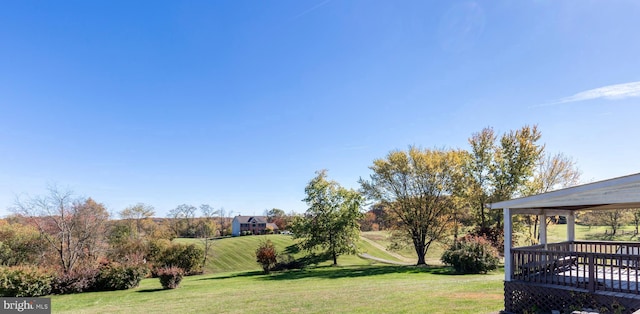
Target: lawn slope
{"points": [[238, 253]]}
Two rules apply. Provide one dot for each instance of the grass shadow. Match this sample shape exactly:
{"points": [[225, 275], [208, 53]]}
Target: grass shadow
{"points": [[609, 237], [150, 290], [314, 259], [335, 272], [235, 275], [292, 249], [598, 237]]}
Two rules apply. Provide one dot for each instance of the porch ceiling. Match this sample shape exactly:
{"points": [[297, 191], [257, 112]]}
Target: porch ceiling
{"points": [[616, 193]]}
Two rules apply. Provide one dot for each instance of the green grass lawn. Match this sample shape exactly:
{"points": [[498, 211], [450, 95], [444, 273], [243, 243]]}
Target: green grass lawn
{"points": [[324, 289], [558, 233], [234, 284], [238, 253]]}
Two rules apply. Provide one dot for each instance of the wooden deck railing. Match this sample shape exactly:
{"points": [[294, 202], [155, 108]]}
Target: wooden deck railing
{"points": [[591, 265]]}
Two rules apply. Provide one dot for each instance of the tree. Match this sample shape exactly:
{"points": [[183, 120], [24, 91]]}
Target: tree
{"points": [[611, 218], [331, 222], [20, 244], [553, 172], [278, 217], [636, 218], [137, 215], [223, 221], [497, 171], [417, 187], [73, 227], [206, 229], [368, 221], [382, 216], [183, 217], [274, 213]]}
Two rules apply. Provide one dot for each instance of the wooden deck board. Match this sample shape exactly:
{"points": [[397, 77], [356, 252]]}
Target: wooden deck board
{"points": [[607, 278]]}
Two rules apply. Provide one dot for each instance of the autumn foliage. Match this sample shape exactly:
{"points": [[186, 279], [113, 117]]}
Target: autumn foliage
{"points": [[267, 256]]}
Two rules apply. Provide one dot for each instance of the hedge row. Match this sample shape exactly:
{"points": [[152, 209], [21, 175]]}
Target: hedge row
{"points": [[31, 281]]}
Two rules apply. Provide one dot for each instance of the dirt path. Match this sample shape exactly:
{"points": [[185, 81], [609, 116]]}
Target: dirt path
{"points": [[382, 260], [405, 261]]}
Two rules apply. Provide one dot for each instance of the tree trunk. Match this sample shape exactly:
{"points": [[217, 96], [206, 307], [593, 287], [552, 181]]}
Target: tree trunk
{"points": [[419, 246], [455, 226]]}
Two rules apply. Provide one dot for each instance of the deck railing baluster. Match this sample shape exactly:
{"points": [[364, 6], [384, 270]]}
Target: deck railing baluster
{"points": [[594, 265], [619, 275]]}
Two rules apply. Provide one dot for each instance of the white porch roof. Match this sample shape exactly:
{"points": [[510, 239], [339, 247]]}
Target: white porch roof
{"points": [[616, 193]]}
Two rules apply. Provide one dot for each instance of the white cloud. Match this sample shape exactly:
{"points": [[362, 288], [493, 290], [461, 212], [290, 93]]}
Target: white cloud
{"points": [[617, 91], [307, 11]]}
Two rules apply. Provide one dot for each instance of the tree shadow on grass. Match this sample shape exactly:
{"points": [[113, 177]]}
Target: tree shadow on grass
{"points": [[336, 272], [292, 249], [235, 275], [150, 290], [599, 237]]}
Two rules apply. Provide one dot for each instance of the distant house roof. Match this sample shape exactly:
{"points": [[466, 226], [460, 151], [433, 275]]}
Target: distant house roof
{"points": [[272, 226], [251, 219], [616, 193]]}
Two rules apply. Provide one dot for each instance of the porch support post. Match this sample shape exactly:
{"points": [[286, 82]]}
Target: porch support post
{"points": [[508, 234], [543, 228], [571, 226]]}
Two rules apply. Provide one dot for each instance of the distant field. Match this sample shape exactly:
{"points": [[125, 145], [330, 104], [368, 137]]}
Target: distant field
{"points": [[238, 253], [556, 233], [382, 238]]}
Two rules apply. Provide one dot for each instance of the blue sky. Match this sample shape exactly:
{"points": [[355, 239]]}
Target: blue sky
{"points": [[237, 103]]}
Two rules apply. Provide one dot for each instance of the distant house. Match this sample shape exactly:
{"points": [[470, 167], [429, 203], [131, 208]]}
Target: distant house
{"points": [[272, 227], [252, 224]]}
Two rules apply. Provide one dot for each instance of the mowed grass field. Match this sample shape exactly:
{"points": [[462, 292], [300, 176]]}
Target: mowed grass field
{"points": [[238, 253], [557, 233], [325, 289], [409, 254], [355, 286]]}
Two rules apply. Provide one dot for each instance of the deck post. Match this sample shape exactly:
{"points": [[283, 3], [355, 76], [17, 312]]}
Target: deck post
{"points": [[508, 234], [543, 228], [571, 226], [591, 285], [571, 230]]}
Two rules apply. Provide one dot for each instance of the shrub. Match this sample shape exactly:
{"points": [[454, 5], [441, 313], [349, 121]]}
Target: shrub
{"points": [[156, 249], [20, 244], [187, 257], [286, 262], [494, 235], [471, 255], [116, 276], [79, 280], [266, 255], [170, 277], [24, 281]]}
